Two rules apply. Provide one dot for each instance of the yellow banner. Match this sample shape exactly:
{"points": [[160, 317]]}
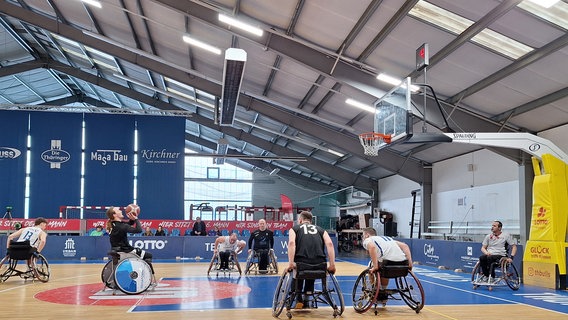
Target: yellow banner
{"points": [[539, 274], [541, 220], [546, 252]]}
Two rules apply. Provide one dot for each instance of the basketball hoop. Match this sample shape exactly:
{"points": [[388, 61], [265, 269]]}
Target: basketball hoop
{"points": [[371, 141]]}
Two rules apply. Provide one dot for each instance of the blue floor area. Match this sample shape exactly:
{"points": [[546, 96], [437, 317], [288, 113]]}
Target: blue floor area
{"points": [[441, 287]]}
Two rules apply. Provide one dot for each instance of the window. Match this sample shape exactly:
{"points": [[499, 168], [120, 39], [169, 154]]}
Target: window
{"points": [[219, 185]]}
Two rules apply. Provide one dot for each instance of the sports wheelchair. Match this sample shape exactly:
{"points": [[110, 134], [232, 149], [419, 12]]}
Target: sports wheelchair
{"points": [[127, 272], [37, 267], [254, 258], [367, 285], [234, 264], [327, 291], [500, 273]]}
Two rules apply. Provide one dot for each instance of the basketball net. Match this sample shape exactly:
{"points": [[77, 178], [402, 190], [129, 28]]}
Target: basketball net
{"points": [[371, 142]]}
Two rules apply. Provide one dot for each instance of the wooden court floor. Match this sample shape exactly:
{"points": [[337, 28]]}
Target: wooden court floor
{"points": [[74, 292]]}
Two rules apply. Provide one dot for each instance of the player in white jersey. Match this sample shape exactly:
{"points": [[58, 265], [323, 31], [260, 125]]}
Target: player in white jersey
{"points": [[385, 250], [36, 235], [225, 245], [495, 246]]}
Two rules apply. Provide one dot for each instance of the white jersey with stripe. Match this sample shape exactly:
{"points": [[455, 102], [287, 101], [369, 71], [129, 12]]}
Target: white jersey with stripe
{"points": [[387, 248], [32, 234], [227, 245]]}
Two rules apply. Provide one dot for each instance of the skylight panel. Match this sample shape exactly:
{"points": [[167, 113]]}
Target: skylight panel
{"points": [[457, 24]]}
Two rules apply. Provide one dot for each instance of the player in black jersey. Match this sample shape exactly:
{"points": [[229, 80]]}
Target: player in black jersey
{"points": [[307, 248], [263, 240]]}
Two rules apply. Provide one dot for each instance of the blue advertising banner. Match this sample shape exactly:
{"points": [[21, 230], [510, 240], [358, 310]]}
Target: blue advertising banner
{"points": [[55, 166], [451, 254], [161, 143], [192, 247], [13, 147], [109, 159]]}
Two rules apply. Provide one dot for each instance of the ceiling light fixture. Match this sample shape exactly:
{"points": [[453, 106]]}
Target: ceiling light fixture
{"points": [[240, 25], [545, 3], [395, 81], [360, 105], [222, 147], [201, 44], [93, 3], [233, 71]]}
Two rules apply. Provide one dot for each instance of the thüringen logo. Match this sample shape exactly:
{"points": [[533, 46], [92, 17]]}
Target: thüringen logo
{"points": [[9, 153], [55, 156]]}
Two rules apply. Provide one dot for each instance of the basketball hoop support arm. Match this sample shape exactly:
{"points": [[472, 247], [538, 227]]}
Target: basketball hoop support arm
{"points": [[531, 144]]}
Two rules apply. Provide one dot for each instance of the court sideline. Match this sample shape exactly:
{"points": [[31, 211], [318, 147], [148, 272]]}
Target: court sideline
{"points": [[75, 291]]}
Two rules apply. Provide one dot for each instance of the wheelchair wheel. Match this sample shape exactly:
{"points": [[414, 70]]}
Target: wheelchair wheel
{"points": [[347, 245], [5, 270], [511, 275], [234, 263], [476, 275], [365, 290], [411, 291], [273, 261], [250, 262], [107, 275], [282, 293], [213, 260], [335, 295], [133, 276], [40, 268]]}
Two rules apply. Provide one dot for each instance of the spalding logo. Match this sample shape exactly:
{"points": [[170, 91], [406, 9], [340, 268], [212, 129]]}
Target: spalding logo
{"points": [[9, 153]]}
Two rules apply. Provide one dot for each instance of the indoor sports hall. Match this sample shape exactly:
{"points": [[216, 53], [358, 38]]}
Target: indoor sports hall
{"points": [[145, 141]]}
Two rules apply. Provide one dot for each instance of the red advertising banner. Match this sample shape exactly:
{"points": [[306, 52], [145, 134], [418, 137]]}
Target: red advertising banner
{"points": [[183, 225], [63, 225]]}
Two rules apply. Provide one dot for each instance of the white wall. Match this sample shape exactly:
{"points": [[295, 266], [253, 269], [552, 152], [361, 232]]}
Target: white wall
{"points": [[479, 186], [486, 183], [484, 203], [488, 168], [395, 197]]}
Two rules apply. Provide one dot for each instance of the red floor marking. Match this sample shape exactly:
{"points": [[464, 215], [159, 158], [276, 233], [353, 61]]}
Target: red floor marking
{"points": [[167, 292]]}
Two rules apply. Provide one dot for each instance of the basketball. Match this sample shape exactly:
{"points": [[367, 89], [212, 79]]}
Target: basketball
{"points": [[132, 208]]}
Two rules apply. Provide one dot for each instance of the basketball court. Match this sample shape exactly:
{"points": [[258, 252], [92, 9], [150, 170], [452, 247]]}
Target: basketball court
{"points": [[184, 291]]}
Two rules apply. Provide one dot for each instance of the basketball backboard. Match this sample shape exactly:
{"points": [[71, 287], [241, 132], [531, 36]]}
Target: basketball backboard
{"points": [[393, 114]]}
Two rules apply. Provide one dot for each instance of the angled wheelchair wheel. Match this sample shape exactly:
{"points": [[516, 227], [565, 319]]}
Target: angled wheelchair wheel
{"points": [[133, 276], [365, 290], [335, 295], [250, 263], [511, 275], [411, 291], [282, 293], [5, 270], [476, 275], [347, 246], [273, 261], [235, 263], [41, 268], [107, 275], [213, 262]]}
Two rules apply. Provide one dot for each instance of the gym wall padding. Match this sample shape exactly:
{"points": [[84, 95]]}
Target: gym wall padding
{"points": [[13, 146], [55, 166], [109, 159], [161, 154]]}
